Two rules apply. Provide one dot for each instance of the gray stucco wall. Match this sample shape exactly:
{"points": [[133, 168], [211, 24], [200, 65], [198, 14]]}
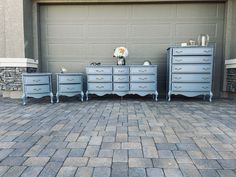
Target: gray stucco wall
{"points": [[28, 29], [12, 30], [233, 40]]}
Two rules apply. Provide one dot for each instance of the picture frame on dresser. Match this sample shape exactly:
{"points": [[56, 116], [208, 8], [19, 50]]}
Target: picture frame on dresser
{"points": [[189, 71]]}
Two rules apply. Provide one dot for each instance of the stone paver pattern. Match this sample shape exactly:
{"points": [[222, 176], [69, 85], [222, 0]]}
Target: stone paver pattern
{"points": [[118, 138]]}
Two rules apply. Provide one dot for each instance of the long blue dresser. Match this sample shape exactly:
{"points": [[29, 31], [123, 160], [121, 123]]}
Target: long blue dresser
{"points": [[189, 71], [122, 80]]}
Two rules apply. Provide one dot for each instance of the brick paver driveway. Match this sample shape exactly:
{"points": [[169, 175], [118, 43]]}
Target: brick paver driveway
{"points": [[103, 138]]}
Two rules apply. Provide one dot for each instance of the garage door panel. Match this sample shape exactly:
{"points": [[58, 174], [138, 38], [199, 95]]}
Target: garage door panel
{"points": [[65, 30], [67, 50], [189, 30], [102, 50], [148, 50], [105, 31], [197, 11], [74, 66], [150, 31], [153, 11]]}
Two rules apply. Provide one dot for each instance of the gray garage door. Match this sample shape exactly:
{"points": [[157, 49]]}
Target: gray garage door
{"points": [[73, 36]]}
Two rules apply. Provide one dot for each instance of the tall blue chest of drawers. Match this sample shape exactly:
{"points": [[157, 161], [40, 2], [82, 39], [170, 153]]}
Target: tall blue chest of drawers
{"points": [[189, 71], [122, 80]]}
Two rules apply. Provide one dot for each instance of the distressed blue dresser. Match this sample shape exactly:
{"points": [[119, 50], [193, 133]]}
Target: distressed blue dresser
{"points": [[37, 85], [190, 71], [122, 80], [69, 84]]}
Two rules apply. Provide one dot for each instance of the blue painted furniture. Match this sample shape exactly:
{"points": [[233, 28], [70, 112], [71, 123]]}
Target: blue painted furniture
{"points": [[122, 80], [189, 71], [69, 84], [37, 85]]}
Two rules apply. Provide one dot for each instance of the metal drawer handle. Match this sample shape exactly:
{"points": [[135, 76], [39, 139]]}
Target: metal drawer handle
{"points": [[205, 87], [121, 71], [142, 71], [178, 69], [37, 89], [178, 87], [178, 60], [142, 87], [143, 79], [99, 71], [206, 69], [178, 78], [70, 79], [121, 78], [205, 78], [179, 51], [121, 87], [206, 59], [207, 51], [68, 88], [99, 78], [37, 80], [99, 87]]}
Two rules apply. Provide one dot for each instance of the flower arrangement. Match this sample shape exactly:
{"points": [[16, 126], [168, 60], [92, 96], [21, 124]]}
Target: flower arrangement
{"points": [[120, 53]]}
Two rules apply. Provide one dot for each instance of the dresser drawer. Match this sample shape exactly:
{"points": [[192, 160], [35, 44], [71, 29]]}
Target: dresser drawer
{"points": [[99, 78], [70, 88], [142, 86], [121, 78], [121, 86], [143, 70], [192, 51], [142, 78], [100, 86], [191, 87], [120, 70], [99, 70], [37, 89], [70, 79], [191, 78], [36, 80], [192, 59], [191, 68]]}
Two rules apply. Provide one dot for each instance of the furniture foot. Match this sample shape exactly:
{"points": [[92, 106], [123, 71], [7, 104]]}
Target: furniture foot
{"points": [[86, 95], [211, 95], [156, 96], [82, 96], [24, 99], [169, 96], [51, 95], [57, 95]]}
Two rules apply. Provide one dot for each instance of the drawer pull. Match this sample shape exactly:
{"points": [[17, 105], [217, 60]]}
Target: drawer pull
{"points": [[178, 60], [178, 87], [178, 69], [205, 87], [99, 78], [121, 71], [142, 78], [99, 71], [143, 87], [142, 71], [206, 59], [121, 87], [37, 80], [205, 69], [177, 78], [207, 51], [179, 51], [70, 79], [99, 87], [205, 78], [68, 88], [121, 78], [37, 89]]}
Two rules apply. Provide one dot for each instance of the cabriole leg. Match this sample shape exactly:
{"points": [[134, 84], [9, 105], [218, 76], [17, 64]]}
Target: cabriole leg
{"points": [[156, 96], [211, 95], [86, 95], [51, 95], [24, 99], [57, 95], [82, 96], [169, 96]]}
